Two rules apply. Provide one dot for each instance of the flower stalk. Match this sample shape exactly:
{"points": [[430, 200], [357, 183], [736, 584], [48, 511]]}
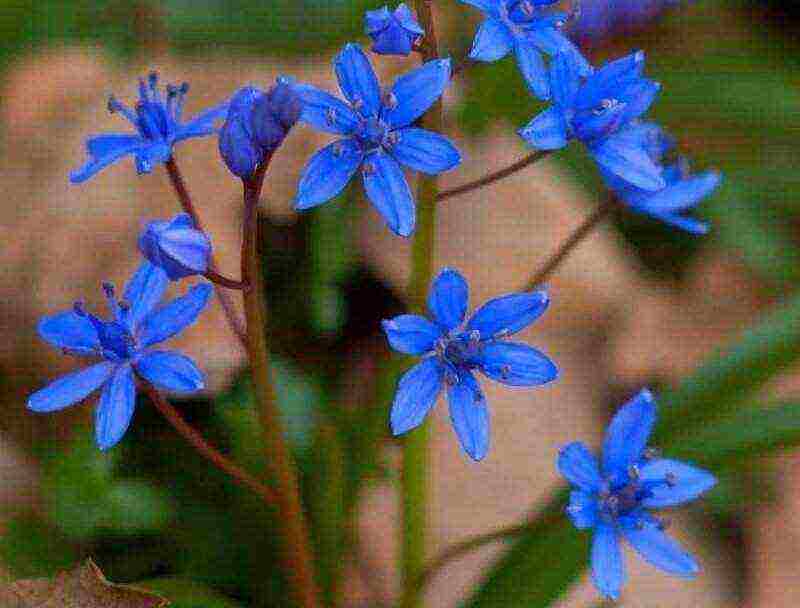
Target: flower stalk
{"points": [[415, 450], [176, 178], [297, 556]]}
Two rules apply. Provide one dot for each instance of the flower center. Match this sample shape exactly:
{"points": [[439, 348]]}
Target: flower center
{"points": [[460, 352], [616, 499], [373, 132]]}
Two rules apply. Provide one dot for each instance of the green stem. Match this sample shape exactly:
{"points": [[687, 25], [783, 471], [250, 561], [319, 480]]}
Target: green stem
{"points": [[415, 450], [297, 556]]}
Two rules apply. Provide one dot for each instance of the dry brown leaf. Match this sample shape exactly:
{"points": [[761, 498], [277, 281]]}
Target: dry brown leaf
{"points": [[83, 587]]}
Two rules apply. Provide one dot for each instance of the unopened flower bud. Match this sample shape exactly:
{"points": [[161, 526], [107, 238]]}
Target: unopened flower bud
{"points": [[177, 247]]}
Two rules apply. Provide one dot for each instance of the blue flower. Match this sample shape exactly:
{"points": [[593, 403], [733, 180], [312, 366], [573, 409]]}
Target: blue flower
{"points": [[377, 136], [177, 247], [124, 342], [527, 28], [393, 33], [593, 109], [614, 496], [682, 192], [256, 125], [158, 128], [450, 354]]}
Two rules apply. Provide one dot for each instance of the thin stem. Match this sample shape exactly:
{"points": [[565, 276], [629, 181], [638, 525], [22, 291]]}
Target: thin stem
{"points": [[209, 452], [589, 224], [297, 556], [186, 204], [495, 176], [460, 549], [223, 281], [415, 450]]}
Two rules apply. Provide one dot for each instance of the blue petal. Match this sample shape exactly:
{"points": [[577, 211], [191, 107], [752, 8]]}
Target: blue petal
{"points": [[416, 393], [565, 79], [658, 549], [357, 80], [688, 224], [629, 163], [171, 371], [97, 164], [493, 41], [582, 510], [174, 317], [469, 415], [579, 466], [490, 7], [416, 91], [552, 41], [188, 248], [508, 314], [182, 220], [425, 151], [638, 97], [377, 20], [531, 65], [411, 334], [388, 190], [70, 388], [143, 292], [627, 435], [683, 194], [115, 410], [608, 570], [448, 299], [516, 364], [238, 148], [324, 112], [407, 19], [394, 40], [149, 156], [71, 331], [686, 483], [202, 124], [547, 131], [327, 173], [111, 143], [607, 80]]}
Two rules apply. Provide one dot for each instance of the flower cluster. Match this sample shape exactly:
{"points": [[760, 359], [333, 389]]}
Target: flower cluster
{"points": [[378, 137]]}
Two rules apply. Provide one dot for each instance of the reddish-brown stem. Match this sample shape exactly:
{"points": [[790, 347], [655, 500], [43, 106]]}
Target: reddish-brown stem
{"points": [[297, 557], [495, 176], [223, 281], [186, 204], [210, 453], [589, 224]]}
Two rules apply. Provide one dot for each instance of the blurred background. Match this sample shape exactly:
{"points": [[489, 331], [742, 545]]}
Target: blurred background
{"points": [[637, 304]]}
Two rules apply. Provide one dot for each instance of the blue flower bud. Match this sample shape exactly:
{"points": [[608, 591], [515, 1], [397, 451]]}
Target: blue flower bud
{"points": [[257, 124], [393, 33], [176, 247]]}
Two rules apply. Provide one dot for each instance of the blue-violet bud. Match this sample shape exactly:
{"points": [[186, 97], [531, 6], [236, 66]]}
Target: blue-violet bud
{"points": [[177, 247], [393, 33]]}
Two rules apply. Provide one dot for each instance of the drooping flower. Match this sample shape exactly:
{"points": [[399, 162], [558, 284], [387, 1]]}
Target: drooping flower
{"points": [[451, 353], [614, 496], [256, 125], [378, 136], [177, 247], [158, 124], [392, 33], [125, 343], [528, 28], [593, 109], [682, 192]]}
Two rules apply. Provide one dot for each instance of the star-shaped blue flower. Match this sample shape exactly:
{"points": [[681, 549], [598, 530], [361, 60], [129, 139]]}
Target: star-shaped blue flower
{"points": [[392, 33], [527, 28], [378, 136], [125, 343], [177, 247], [593, 109], [615, 495], [158, 128], [682, 192], [451, 353]]}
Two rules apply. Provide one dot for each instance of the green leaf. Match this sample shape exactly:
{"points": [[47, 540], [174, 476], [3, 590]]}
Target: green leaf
{"points": [[30, 548], [186, 593]]}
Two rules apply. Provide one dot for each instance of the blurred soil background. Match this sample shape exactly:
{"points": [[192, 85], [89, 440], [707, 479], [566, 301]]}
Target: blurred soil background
{"points": [[637, 304]]}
